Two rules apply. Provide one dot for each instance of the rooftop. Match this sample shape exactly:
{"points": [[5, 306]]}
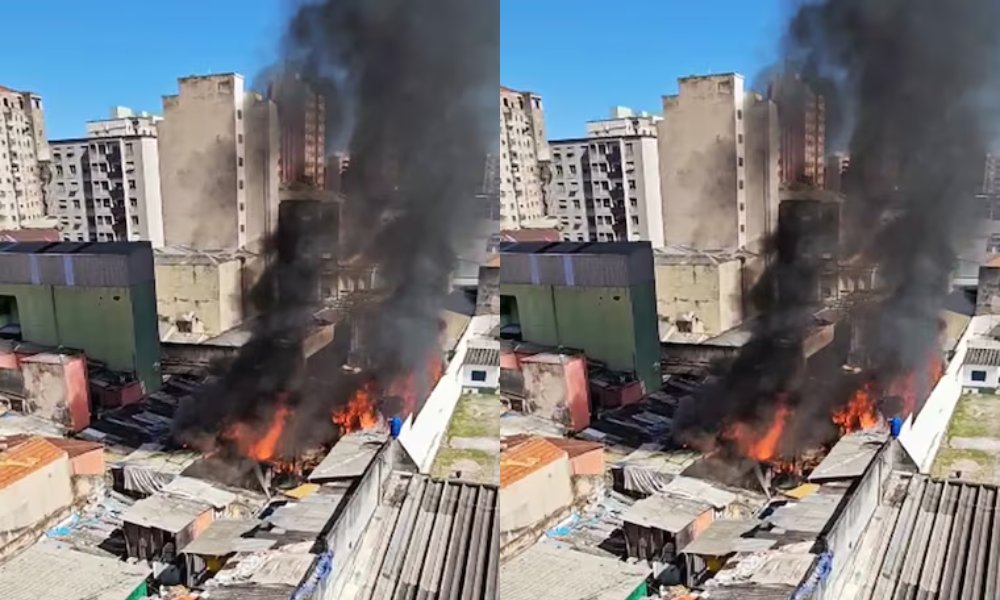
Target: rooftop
{"points": [[482, 355], [227, 536], [945, 543], [54, 571], [165, 512], [429, 538], [521, 461], [350, 456], [183, 255], [982, 357], [26, 458], [665, 512], [613, 248], [850, 456], [725, 537], [683, 255], [555, 572]]}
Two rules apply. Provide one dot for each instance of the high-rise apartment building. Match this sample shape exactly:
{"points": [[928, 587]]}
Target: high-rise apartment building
{"points": [[106, 187], [524, 158], [606, 187], [802, 118], [302, 119], [718, 146], [24, 155], [219, 159]]}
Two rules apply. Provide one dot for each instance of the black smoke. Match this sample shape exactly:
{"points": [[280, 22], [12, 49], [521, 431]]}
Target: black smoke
{"points": [[913, 81], [410, 94]]}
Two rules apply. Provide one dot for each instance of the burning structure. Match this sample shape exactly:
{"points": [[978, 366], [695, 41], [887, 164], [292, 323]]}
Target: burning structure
{"points": [[410, 98], [915, 152]]}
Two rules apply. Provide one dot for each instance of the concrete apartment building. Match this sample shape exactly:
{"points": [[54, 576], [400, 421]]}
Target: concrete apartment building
{"points": [[524, 158], [106, 187], [24, 155], [991, 175], [718, 146], [219, 159], [802, 118], [836, 167], [302, 122], [606, 187]]}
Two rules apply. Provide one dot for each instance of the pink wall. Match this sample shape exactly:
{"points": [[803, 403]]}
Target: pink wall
{"points": [[88, 463], [577, 392], [8, 360], [508, 360], [77, 392], [589, 463], [56, 388]]}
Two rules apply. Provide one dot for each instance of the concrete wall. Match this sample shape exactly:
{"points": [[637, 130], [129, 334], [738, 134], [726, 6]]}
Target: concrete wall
{"points": [[148, 194], [710, 292], [762, 170], [531, 501], [209, 295], [700, 143], [988, 292], [492, 381], [847, 528], [649, 191], [422, 437], [262, 166], [31, 500], [923, 433], [200, 147], [557, 389], [991, 382], [56, 388]]}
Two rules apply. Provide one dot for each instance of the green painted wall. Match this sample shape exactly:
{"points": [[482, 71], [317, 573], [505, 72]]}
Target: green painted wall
{"points": [[142, 591], [640, 592], [109, 324], [614, 325]]}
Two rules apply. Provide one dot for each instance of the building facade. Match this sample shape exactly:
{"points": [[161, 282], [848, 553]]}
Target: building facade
{"points": [[24, 155], [802, 114], [302, 120], [991, 175], [219, 159], [718, 164], [698, 294], [106, 187], [606, 187], [524, 156]]}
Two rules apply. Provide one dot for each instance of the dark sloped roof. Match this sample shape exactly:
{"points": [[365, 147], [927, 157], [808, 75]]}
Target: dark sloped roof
{"points": [[444, 544], [482, 357], [945, 543], [984, 357]]}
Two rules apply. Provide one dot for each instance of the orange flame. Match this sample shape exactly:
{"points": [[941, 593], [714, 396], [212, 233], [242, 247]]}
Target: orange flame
{"points": [[860, 412], [259, 443], [360, 411], [760, 443]]}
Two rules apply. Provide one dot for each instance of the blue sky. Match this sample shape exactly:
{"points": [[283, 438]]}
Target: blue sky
{"points": [[583, 56]]}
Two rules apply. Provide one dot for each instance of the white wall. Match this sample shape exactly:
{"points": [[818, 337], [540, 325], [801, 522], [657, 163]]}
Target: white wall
{"points": [[492, 377], [421, 437], [922, 437], [992, 377]]}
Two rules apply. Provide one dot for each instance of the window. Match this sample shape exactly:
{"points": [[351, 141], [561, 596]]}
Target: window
{"points": [[739, 161], [739, 114], [978, 375], [631, 184], [741, 184], [239, 114], [240, 184], [477, 375], [683, 326], [239, 138], [135, 220], [239, 162], [183, 326], [131, 184], [739, 138]]}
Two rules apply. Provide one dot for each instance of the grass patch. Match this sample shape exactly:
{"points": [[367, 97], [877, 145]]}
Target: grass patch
{"points": [[475, 417], [970, 420], [947, 459]]}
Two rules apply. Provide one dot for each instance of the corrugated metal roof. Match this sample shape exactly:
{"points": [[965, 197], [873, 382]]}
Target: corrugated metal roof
{"points": [[105, 264], [551, 571], [725, 537], [945, 543], [164, 512], [202, 491], [444, 543], [226, 536], [482, 357], [982, 357], [308, 515], [350, 456], [53, 571], [26, 458], [851, 455], [665, 512], [586, 264], [521, 461]]}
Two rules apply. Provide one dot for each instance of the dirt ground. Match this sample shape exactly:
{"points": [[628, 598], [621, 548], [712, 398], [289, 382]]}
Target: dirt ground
{"points": [[471, 447]]}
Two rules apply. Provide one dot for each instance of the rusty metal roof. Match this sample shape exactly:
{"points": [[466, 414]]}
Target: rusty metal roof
{"points": [[523, 460], [26, 458]]}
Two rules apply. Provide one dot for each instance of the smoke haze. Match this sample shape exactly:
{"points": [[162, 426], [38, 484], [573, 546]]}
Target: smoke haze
{"points": [[410, 88], [912, 82]]}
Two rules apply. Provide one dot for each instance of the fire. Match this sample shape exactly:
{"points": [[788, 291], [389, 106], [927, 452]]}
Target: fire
{"points": [[860, 412], [760, 443], [259, 443], [360, 411]]}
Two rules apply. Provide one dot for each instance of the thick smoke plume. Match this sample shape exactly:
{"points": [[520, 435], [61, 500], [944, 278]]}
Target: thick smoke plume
{"points": [[911, 82], [411, 89]]}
